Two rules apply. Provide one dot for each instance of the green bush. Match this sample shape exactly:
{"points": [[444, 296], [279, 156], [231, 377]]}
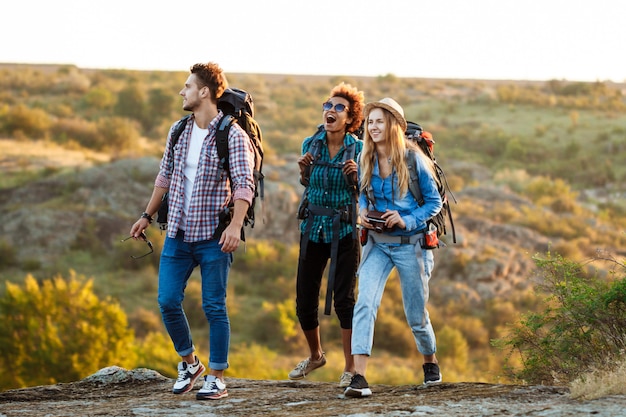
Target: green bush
{"points": [[32, 122], [58, 330], [581, 327]]}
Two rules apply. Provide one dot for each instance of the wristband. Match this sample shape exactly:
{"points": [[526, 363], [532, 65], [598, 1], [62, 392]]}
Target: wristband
{"points": [[145, 215]]}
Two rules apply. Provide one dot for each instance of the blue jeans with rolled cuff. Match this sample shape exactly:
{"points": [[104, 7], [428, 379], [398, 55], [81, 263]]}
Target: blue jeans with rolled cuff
{"points": [[178, 260]]}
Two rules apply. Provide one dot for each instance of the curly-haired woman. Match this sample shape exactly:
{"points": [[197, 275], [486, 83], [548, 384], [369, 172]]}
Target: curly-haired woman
{"points": [[328, 170]]}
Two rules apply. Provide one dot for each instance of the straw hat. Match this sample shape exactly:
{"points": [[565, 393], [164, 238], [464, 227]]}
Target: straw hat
{"points": [[391, 106]]}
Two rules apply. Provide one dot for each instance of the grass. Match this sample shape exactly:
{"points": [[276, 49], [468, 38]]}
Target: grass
{"points": [[600, 383]]}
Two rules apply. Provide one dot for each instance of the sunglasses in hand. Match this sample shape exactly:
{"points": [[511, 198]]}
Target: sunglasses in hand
{"points": [[145, 239]]}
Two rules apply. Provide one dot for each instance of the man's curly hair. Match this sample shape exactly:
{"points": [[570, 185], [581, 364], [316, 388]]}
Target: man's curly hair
{"points": [[356, 100], [211, 75]]}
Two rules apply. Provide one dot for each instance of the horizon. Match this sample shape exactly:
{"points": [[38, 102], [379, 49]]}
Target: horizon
{"points": [[67, 64]]}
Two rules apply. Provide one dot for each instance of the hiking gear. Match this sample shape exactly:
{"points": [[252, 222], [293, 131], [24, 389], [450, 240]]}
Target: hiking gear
{"points": [[306, 367], [338, 107], [392, 107], [187, 375], [430, 240], [347, 214], [432, 374], [439, 219], [358, 387], [345, 379], [414, 268], [398, 240], [212, 389], [238, 107], [425, 142]]}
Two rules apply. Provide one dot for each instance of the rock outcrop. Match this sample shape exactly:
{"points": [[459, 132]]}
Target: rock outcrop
{"points": [[141, 392]]}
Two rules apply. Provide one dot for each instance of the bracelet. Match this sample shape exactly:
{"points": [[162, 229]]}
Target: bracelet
{"points": [[145, 215]]}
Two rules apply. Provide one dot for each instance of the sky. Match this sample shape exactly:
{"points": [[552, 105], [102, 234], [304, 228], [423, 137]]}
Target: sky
{"points": [[575, 40]]}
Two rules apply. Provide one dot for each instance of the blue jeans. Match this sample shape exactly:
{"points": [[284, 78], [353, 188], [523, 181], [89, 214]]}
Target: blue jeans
{"points": [[178, 259], [414, 267]]}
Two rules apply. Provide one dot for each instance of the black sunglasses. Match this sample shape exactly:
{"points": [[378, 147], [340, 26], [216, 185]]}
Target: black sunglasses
{"points": [[338, 107], [145, 239]]}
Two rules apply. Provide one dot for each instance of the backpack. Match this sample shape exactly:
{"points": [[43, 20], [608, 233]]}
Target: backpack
{"points": [[425, 143], [238, 107]]}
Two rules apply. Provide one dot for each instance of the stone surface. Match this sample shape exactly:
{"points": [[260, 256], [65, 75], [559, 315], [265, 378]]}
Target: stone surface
{"points": [[142, 392]]}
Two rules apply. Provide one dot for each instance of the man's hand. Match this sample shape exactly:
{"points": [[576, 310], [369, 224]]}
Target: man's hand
{"points": [[231, 237]]}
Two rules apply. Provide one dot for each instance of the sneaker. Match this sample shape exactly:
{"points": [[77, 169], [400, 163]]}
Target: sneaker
{"points": [[212, 389], [306, 367], [187, 375], [358, 387], [432, 374], [345, 379]]}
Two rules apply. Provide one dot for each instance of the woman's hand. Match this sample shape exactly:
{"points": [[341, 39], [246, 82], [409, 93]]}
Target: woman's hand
{"points": [[350, 169], [305, 161], [393, 218], [364, 221]]}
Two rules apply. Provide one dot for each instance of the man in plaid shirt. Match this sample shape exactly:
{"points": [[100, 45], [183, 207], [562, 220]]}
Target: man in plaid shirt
{"points": [[199, 191]]}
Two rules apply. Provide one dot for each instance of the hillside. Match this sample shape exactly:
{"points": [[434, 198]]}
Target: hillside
{"points": [[117, 392], [52, 215], [536, 167]]}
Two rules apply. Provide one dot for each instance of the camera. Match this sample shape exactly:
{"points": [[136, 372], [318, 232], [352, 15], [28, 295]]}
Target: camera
{"points": [[375, 218]]}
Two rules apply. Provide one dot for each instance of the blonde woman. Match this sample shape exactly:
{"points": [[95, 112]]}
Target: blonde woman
{"points": [[396, 224]]}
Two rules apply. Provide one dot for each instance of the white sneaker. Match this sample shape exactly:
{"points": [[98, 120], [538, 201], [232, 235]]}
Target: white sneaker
{"points": [[345, 379], [307, 366], [187, 375], [212, 389]]}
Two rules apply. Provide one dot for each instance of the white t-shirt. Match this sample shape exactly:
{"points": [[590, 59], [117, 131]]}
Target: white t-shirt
{"points": [[191, 166]]}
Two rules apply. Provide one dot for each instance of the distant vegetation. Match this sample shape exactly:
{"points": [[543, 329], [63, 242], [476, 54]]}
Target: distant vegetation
{"points": [[558, 144]]}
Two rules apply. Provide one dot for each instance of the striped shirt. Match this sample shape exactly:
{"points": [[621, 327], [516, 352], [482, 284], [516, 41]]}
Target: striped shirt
{"points": [[211, 189], [328, 188]]}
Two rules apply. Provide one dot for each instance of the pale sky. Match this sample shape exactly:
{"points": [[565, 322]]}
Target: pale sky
{"points": [[576, 40]]}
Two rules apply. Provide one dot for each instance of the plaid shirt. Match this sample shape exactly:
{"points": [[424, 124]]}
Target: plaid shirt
{"points": [[331, 192], [211, 189]]}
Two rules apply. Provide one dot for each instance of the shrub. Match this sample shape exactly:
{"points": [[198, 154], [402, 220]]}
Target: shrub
{"points": [[580, 328], [59, 331], [31, 122]]}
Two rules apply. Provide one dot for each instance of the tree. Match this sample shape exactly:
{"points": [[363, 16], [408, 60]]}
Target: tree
{"points": [[131, 103], [59, 331]]}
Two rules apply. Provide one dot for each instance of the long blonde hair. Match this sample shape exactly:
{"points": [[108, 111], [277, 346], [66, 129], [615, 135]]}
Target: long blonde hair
{"points": [[397, 146]]}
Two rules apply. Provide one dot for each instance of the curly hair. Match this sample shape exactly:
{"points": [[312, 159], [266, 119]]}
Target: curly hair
{"points": [[356, 100], [212, 76]]}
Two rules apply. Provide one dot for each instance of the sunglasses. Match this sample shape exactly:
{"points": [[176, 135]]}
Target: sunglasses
{"points": [[338, 107], [145, 239]]}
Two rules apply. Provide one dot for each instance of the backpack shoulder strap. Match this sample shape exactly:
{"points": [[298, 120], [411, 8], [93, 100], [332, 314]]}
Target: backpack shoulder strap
{"points": [[414, 184], [221, 140], [349, 153], [315, 149], [316, 143], [178, 130]]}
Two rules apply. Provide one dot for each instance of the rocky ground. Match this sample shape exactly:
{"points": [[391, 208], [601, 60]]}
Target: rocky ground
{"points": [[118, 392]]}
